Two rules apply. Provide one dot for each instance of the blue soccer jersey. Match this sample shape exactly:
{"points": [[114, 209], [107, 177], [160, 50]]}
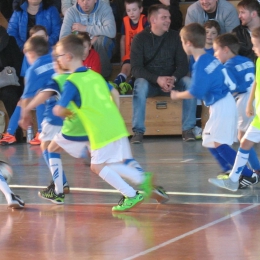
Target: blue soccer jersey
{"points": [[210, 80], [38, 75], [243, 70]]}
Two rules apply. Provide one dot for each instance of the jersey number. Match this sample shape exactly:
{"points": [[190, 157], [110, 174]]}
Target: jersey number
{"points": [[228, 81]]}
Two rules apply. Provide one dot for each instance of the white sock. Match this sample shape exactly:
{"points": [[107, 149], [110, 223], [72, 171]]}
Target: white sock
{"points": [[240, 162], [5, 189], [112, 178], [128, 172], [56, 171]]}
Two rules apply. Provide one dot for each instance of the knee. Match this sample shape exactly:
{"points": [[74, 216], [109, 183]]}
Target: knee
{"points": [[141, 88], [185, 82]]}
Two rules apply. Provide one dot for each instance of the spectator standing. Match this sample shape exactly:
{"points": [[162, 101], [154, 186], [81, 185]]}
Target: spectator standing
{"points": [[96, 18], [220, 10], [159, 64]]}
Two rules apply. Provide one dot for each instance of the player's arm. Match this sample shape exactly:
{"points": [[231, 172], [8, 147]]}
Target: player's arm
{"points": [[181, 95], [250, 107], [115, 97]]}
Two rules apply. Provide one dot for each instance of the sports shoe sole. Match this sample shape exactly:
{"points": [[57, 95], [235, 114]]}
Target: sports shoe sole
{"points": [[159, 196], [138, 203], [16, 206], [7, 143], [53, 201]]}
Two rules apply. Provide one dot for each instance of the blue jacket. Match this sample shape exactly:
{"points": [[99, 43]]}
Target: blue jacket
{"points": [[49, 18]]}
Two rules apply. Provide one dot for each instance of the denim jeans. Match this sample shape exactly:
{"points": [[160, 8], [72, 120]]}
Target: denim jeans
{"points": [[143, 89]]}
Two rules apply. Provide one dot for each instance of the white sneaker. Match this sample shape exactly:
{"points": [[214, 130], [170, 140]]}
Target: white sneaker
{"points": [[224, 182], [197, 131], [16, 202]]}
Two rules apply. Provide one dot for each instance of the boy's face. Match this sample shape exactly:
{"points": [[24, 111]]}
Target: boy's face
{"points": [[61, 57], [244, 15], [30, 56], [42, 34], [256, 46], [221, 53], [133, 11], [87, 48], [211, 34]]}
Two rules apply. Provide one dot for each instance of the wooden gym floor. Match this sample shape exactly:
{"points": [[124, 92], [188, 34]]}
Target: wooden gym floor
{"points": [[200, 221]]}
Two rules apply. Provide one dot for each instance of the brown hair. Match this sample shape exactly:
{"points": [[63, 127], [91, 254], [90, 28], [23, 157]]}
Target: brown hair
{"points": [[139, 2], [212, 23], [37, 28], [228, 40], [84, 36], [155, 8], [250, 5], [37, 44]]}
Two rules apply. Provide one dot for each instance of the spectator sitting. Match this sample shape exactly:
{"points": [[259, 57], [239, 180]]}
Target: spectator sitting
{"points": [[29, 14], [249, 15], [96, 18], [132, 24], [220, 10], [159, 64], [91, 58]]}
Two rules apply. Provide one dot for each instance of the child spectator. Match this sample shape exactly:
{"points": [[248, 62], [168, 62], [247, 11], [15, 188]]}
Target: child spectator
{"points": [[91, 57], [132, 24]]}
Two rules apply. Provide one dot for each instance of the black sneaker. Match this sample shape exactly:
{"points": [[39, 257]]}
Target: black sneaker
{"points": [[16, 202], [137, 138], [248, 181], [188, 135], [66, 187]]}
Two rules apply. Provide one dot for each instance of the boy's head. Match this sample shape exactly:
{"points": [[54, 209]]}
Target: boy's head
{"points": [[248, 10], [133, 9], [225, 47], [84, 36], [212, 31], [68, 50], [193, 36], [39, 30], [255, 38], [35, 47]]}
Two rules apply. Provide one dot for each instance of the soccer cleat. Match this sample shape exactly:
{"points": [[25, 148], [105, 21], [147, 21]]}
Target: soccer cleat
{"points": [[16, 202], [7, 139], [147, 185], [114, 85], [224, 182], [66, 187], [126, 203], [197, 131], [125, 88], [36, 140], [248, 181], [159, 194], [49, 194]]}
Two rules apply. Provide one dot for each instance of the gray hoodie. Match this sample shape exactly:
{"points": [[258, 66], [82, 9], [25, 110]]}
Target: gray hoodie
{"points": [[99, 22], [226, 15]]}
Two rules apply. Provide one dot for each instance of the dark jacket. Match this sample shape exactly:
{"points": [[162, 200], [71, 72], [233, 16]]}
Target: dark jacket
{"points": [[170, 60], [245, 42]]}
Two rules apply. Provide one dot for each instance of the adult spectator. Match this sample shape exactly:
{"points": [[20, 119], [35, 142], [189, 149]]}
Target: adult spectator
{"points": [[159, 64], [174, 7], [220, 10], [96, 18], [10, 55], [249, 15], [34, 12], [6, 8]]}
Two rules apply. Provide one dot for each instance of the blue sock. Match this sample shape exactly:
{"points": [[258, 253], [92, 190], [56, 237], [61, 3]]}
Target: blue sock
{"points": [[253, 160], [225, 166], [39, 114], [229, 154], [13, 122], [120, 78]]}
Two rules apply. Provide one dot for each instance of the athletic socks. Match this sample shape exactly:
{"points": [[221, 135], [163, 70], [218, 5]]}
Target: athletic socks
{"points": [[5, 189], [39, 115], [240, 162], [13, 122], [223, 163], [56, 171], [112, 178], [253, 159], [120, 78]]}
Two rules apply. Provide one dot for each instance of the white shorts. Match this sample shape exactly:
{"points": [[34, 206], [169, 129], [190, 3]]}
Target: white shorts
{"points": [[222, 124], [74, 148], [243, 121], [252, 134], [48, 131], [114, 152]]}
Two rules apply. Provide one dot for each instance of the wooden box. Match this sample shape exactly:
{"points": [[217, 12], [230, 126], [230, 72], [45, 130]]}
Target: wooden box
{"points": [[163, 115]]}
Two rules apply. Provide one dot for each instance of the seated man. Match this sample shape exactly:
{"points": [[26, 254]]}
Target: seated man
{"points": [[96, 18], [159, 64]]}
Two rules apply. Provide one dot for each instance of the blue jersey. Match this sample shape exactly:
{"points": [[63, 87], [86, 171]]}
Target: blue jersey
{"points": [[243, 70], [210, 80], [51, 102], [38, 75]]}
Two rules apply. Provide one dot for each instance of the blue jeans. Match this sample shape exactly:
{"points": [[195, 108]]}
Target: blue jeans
{"points": [[143, 89]]}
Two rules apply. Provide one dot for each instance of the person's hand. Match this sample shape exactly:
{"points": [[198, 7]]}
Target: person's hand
{"points": [[166, 83], [78, 27], [25, 119], [174, 94]]}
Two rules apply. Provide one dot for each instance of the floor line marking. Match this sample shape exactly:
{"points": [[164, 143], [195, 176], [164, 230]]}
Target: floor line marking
{"points": [[115, 191], [191, 232]]}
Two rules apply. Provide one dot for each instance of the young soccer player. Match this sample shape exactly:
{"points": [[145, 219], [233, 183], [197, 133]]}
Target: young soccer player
{"points": [[93, 105], [226, 47], [13, 201], [91, 57], [211, 82], [252, 134], [133, 23]]}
